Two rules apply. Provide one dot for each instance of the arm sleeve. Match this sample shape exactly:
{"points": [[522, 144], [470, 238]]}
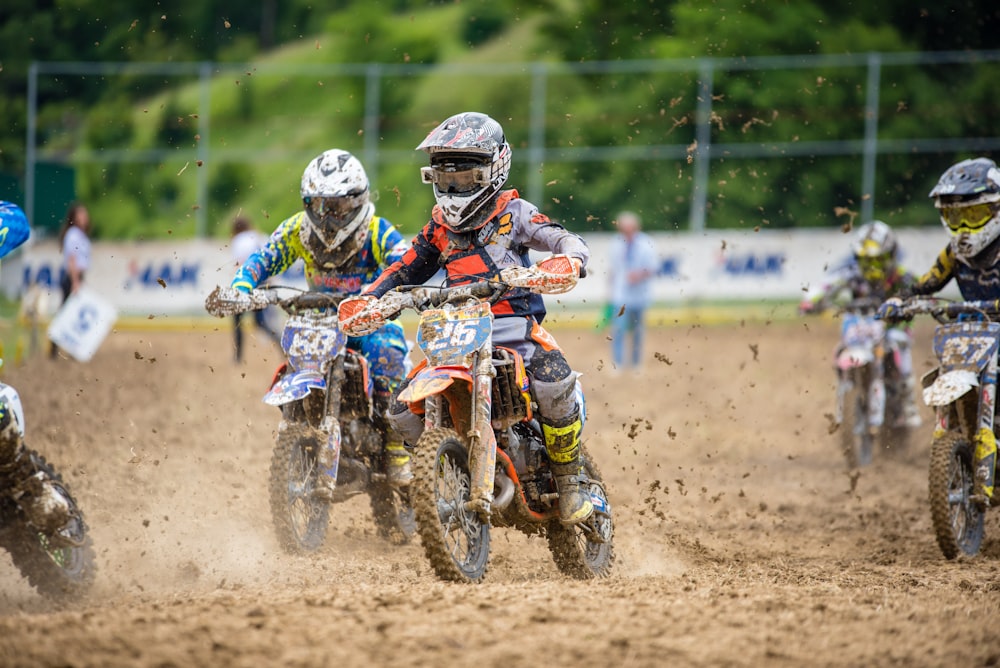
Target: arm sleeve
{"points": [[416, 265], [277, 255], [824, 295], [938, 275], [388, 243], [545, 235]]}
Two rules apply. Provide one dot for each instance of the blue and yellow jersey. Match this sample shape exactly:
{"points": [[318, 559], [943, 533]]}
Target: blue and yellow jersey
{"points": [[384, 246], [977, 278]]}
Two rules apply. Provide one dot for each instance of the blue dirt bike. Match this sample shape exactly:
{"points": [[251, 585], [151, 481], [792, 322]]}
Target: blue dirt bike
{"points": [[962, 390], [324, 392]]}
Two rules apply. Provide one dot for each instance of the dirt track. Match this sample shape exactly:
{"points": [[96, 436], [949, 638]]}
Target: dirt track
{"points": [[741, 538]]}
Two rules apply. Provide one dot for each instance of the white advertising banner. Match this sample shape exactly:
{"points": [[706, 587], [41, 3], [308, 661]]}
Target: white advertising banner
{"points": [[164, 277]]}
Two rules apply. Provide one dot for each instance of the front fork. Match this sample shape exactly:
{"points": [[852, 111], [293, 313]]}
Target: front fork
{"points": [[875, 408], [329, 456], [482, 440], [985, 457], [472, 414]]}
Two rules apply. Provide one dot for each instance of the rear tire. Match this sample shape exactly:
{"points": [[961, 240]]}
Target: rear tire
{"points": [[958, 522], [59, 573], [456, 541], [581, 553], [300, 519]]}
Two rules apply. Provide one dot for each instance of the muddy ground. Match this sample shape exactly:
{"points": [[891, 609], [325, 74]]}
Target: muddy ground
{"points": [[742, 538]]}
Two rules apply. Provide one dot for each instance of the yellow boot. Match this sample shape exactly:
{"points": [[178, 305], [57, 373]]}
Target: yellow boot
{"points": [[397, 464], [562, 442]]}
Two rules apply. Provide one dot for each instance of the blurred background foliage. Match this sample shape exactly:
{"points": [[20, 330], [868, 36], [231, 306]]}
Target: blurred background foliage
{"points": [[296, 117]]}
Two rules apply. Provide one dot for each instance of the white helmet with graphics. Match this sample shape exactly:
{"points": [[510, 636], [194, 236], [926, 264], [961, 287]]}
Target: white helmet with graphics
{"points": [[337, 201], [470, 162], [968, 197]]}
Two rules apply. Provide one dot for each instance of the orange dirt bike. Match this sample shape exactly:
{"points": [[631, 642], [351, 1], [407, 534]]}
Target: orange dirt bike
{"points": [[481, 461], [58, 560], [962, 390], [324, 392]]}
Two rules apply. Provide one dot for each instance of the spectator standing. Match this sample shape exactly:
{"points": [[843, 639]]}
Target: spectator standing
{"points": [[245, 242], [633, 265], [74, 238]]}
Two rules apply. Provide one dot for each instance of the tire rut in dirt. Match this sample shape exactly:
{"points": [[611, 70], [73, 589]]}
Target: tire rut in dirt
{"points": [[959, 530], [300, 522], [61, 574], [440, 458], [573, 553]]}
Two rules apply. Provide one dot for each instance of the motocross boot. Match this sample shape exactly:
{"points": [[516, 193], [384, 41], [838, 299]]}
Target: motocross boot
{"points": [[11, 443], [397, 464], [39, 497], [562, 442], [984, 461], [397, 457]]}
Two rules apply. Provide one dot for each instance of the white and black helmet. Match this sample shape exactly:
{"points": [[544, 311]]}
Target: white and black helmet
{"points": [[469, 164], [968, 198], [337, 201]]}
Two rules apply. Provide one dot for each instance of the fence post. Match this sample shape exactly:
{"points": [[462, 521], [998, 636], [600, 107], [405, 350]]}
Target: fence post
{"points": [[30, 154], [373, 104], [702, 151], [536, 135], [871, 137], [204, 124]]}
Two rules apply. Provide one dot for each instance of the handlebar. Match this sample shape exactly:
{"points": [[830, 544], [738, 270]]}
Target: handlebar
{"points": [[229, 301], [555, 274], [944, 311]]}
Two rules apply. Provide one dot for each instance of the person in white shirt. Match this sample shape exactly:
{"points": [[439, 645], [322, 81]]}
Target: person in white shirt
{"points": [[245, 242], [633, 264], [74, 238]]}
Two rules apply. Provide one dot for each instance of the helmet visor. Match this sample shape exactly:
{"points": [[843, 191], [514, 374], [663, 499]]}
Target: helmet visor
{"points": [[967, 218], [456, 179], [333, 213]]}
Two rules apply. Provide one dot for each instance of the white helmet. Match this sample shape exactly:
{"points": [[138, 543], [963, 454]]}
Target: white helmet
{"points": [[968, 197], [470, 162], [875, 250], [338, 206]]}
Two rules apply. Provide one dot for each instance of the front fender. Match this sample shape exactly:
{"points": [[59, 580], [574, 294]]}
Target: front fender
{"points": [[949, 386], [432, 380], [854, 357], [294, 386]]}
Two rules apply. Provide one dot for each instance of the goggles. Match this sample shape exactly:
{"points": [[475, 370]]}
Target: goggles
{"points": [[456, 179], [873, 268], [967, 218], [335, 211]]}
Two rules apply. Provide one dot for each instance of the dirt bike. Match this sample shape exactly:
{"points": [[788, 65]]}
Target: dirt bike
{"points": [[58, 561], [962, 390], [481, 461], [324, 392], [869, 385]]}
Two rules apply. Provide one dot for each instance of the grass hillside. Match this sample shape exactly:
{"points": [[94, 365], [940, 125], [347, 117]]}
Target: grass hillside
{"points": [[267, 121]]}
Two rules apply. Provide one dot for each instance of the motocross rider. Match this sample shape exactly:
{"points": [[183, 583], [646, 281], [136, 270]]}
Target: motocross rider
{"points": [[967, 196], [875, 272], [476, 230], [42, 502], [345, 246]]}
